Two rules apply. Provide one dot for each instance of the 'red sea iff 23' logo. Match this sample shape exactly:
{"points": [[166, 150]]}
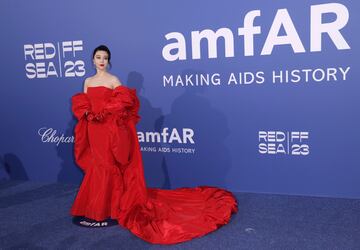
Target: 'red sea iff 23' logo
{"points": [[284, 142], [60, 59]]}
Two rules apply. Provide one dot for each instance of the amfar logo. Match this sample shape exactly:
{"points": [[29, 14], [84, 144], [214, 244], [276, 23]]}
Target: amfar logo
{"points": [[166, 136], [54, 59], [286, 143], [48, 135], [177, 50], [171, 141]]}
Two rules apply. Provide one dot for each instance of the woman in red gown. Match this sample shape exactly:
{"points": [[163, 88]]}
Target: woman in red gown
{"points": [[108, 151]]}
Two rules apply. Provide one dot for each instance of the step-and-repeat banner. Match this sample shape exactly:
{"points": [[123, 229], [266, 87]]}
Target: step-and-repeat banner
{"points": [[253, 96]]}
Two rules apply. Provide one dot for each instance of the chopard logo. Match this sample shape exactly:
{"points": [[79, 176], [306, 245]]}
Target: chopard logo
{"points": [[49, 135]]}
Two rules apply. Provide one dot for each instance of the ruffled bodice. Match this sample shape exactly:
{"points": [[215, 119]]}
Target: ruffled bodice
{"points": [[101, 102]]}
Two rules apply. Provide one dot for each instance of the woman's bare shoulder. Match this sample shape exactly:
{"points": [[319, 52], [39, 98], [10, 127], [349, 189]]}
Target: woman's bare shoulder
{"points": [[87, 83], [115, 81], [88, 79], [111, 77]]}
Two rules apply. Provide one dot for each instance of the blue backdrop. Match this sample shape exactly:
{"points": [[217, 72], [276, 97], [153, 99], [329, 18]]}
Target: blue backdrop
{"points": [[257, 96]]}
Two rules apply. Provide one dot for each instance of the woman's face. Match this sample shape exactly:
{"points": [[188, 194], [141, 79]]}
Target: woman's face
{"points": [[101, 60]]}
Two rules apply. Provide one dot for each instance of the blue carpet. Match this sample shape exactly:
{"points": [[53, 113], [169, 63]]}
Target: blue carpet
{"points": [[36, 216]]}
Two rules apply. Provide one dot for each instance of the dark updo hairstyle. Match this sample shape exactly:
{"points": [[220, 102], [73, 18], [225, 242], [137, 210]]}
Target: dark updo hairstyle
{"points": [[103, 48]]}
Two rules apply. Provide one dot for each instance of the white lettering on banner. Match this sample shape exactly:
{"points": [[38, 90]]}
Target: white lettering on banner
{"points": [[246, 78], [165, 137], [282, 19], [183, 150], [294, 76], [176, 50], [168, 150], [44, 63], [304, 75], [248, 31], [283, 143], [212, 37], [48, 135], [318, 28], [192, 80], [148, 149], [184, 136]]}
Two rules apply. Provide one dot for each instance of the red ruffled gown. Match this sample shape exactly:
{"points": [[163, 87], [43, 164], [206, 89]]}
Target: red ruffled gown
{"points": [[108, 151]]}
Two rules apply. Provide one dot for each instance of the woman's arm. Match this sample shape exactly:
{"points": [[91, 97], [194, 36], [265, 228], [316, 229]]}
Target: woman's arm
{"points": [[86, 83], [116, 82]]}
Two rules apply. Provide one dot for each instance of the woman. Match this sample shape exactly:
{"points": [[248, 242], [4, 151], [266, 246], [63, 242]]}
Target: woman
{"points": [[108, 151]]}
